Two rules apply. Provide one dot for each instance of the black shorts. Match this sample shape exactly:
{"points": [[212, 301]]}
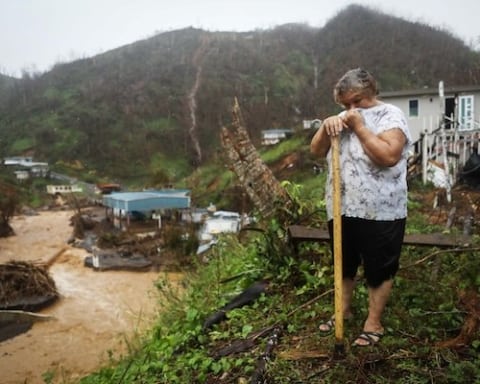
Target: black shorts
{"points": [[375, 244]]}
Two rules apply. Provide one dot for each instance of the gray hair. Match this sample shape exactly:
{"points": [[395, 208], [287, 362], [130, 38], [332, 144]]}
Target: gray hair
{"points": [[358, 80]]}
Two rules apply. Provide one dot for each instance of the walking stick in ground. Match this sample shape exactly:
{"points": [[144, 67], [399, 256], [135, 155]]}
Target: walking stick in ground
{"points": [[337, 244]]}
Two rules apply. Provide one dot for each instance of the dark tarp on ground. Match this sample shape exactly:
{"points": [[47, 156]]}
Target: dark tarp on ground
{"points": [[10, 328], [23, 286], [470, 173], [30, 303]]}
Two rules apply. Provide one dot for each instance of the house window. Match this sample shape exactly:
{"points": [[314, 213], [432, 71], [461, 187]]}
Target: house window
{"points": [[465, 113], [413, 108]]}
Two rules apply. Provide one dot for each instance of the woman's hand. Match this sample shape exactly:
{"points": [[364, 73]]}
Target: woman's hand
{"points": [[353, 119], [333, 125]]}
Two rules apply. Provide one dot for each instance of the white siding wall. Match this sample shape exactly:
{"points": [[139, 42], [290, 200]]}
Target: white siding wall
{"points": [[429, 113], [431, 109]]}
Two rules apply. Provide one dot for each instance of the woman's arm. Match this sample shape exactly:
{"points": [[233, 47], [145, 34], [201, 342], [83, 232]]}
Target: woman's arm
{"points": [[384, 149], [331, 126]]}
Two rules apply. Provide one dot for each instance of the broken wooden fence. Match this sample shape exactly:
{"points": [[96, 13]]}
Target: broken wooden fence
{"points": [[300, 233], [449, 147]]}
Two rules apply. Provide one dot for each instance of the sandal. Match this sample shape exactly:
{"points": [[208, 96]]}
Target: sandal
{"points": [[327, 326], [371, 338]]}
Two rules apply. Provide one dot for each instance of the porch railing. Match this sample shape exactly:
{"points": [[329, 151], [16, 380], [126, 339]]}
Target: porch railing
{"points": [[448, 146]]}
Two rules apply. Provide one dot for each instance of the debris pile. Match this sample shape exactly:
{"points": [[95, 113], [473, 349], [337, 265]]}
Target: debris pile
{"points": [[25, 286], [140, 248]]}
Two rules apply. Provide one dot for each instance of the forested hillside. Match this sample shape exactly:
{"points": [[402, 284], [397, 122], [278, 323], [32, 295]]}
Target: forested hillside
{"points": [[156, 106]]}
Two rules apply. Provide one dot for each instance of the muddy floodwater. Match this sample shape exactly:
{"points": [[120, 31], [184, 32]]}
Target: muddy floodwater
{"points": [[97, 316]]}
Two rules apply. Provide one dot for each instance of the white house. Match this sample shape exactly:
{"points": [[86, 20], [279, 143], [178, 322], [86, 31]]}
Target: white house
{"points": [[312, 124], [274, 136], [445, 126], [35, 168], [426, 108], [22, 175], [17, 160], [61, 189]]}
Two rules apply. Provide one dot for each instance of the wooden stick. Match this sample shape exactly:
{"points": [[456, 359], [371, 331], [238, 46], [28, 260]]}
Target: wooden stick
{"points": [[337, 243]]}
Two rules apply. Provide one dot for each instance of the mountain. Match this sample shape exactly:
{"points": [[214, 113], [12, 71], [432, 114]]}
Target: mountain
{"points": [[155, 107]]}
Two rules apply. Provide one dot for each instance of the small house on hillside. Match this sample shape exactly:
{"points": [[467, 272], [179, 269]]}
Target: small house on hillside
{"points": [[107, 188], [426, 108], [22, 175], [27, 165], [17, 160], [445, 126], [274, 136], [312, 124], [63, 189]]}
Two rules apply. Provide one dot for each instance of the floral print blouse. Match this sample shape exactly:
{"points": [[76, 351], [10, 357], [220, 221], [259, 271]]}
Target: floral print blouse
{"points": [[370, 191]]}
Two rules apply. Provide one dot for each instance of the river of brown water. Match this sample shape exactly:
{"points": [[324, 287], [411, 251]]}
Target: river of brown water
{"points": [[97, 317]]}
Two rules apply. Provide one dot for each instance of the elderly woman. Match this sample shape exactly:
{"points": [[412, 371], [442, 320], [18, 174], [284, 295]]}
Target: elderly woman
{"points": [[374, 140]]}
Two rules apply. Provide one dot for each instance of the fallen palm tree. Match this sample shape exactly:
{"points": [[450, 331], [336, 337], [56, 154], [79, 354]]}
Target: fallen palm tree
{"points": [[256, 178]]}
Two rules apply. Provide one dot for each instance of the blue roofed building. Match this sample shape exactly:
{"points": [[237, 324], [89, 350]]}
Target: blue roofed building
{"points": [[122, 205]]}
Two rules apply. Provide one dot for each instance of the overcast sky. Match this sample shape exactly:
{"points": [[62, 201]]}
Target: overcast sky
{"points": [[36, 34]]}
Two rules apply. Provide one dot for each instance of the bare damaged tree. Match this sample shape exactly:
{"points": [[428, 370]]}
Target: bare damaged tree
{"points": [[256, 178], [8, 204]]}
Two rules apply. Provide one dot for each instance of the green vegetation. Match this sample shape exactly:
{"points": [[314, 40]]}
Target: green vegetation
{"points": [[286, 147], [125, 116], [118, 113], [432, 300], [424, 313], [21, 145], [166, 170]]}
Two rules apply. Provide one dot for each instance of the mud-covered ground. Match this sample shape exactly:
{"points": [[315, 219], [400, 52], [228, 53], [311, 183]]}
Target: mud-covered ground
{"points": [[461, 213]]}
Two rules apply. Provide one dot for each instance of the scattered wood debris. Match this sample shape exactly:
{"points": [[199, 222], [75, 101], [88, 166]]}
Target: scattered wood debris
{"points": [[470, 301], [25, 286]]}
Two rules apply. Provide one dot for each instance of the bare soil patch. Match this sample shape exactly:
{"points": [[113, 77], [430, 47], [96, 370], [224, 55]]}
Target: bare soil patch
{"points": [[462, 210]]}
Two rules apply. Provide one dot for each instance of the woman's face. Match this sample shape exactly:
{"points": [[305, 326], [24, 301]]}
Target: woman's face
{"points": [[356, 99]]}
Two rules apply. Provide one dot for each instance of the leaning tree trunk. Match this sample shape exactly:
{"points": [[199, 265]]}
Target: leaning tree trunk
{"points": [[256, 178]]}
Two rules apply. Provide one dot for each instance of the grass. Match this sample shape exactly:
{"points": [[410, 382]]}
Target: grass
{"points": [[424, 311]]}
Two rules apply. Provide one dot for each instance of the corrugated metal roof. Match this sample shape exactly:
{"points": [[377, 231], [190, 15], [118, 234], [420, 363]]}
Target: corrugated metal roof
{"points": [[148, 200], [430, 91]]}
